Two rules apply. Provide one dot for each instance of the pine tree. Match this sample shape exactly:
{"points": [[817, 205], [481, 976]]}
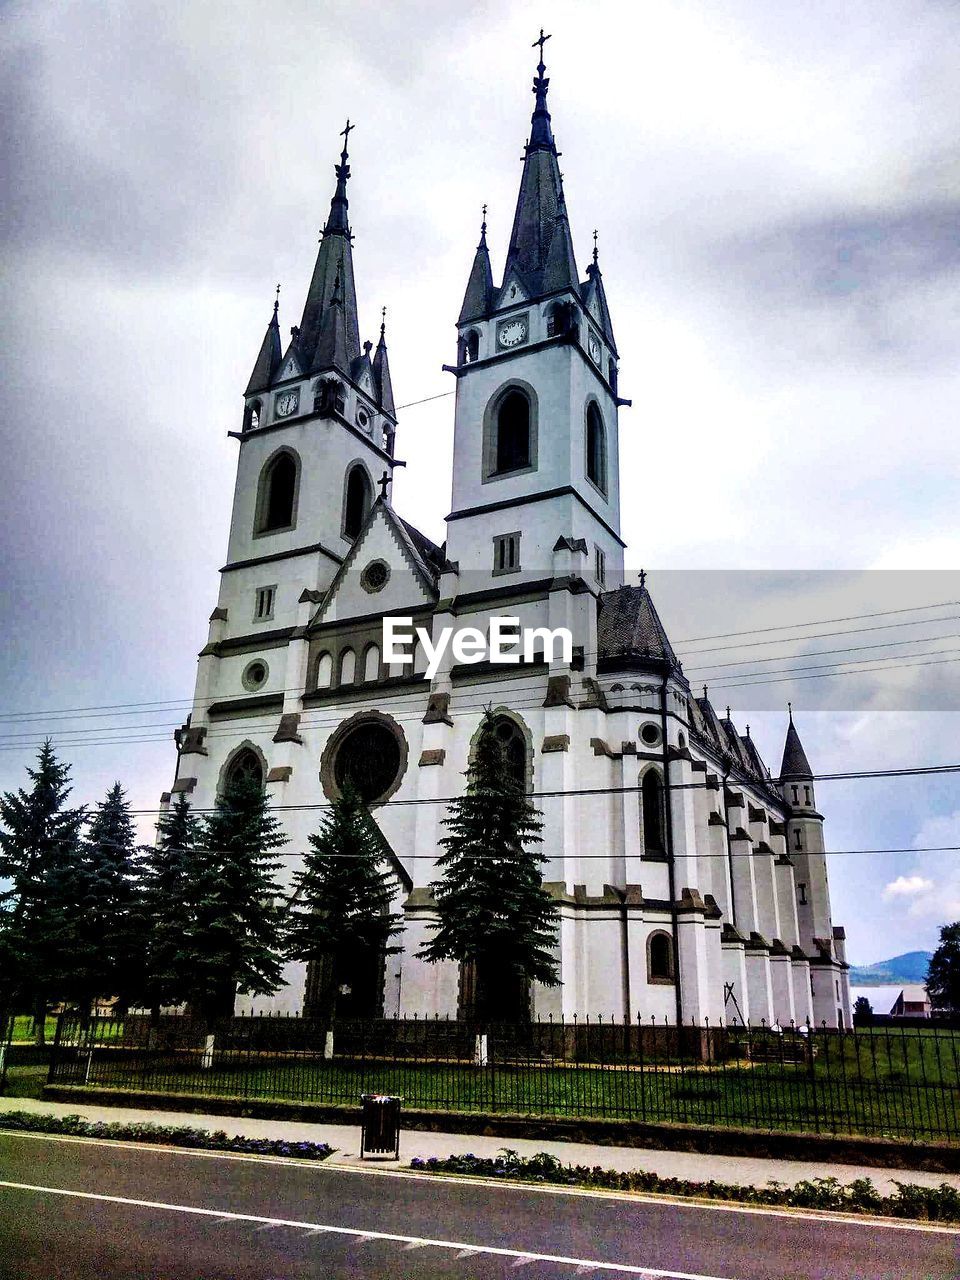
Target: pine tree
{"points": [[40, 859], [492, 909], [943, 975], [109, 953], [340, 918], [237, 943], [178, 875]]}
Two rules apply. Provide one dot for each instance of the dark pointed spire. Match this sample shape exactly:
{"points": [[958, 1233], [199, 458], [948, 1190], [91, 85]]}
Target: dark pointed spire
{"points": [[476, 300], [560, 269], [329, 333], [268, 361], [795, 763], [541, 214], [381, 370], [595, 296]]}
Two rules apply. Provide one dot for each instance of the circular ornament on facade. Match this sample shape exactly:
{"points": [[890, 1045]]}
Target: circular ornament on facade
{"points": [[369, 752], [363, 419], [594, 348], [512, 332], [255, 675], [375, 576], [650, 735]]}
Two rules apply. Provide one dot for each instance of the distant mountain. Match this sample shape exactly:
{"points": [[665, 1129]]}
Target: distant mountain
{"points": [[910, 967]]}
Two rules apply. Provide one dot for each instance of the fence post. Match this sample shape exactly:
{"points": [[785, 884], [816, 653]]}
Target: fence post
{"points": [[206, 1062], [328, 1044]]}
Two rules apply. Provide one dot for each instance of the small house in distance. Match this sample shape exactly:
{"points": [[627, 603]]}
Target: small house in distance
{"points": [[912, 1002]]}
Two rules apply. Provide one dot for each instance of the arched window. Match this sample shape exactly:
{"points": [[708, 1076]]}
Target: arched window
{"points": [[513, 432], [357, 500], [251, 415], [329, 397], [660, 957], [596, 448], [371, 663], [559, 319], [324, 671], [469, 347], [244, 769], [513, 744], [652, 797], [277, 498], [612, 375], [348, 666]]}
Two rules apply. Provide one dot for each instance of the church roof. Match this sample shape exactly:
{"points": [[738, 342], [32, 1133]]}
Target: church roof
{"points": [[629, 626], [381, 373], [795, 763], [595, 300], [479, 293], [430, 554], [268, 361], [329, 334]]}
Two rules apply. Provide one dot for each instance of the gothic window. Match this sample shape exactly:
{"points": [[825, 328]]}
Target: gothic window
{"points": [[806, 795], [612, 375], [796, 795], [660, 957], [513, 744], [513, 432], [277, 494], [802, 894], [469, 347], [371, 663], [329, 397], [797, 839], [244, 769], [369, 753], [348, 666], [251, 415], [651, 793], [324, 671], [596, 449], [263, 603], [358, 500], [558, 319]]}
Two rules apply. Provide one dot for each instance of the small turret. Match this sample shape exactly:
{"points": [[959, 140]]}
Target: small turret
{"points": [[796, 776], [479, 294], [268, 361], [381, 370]]}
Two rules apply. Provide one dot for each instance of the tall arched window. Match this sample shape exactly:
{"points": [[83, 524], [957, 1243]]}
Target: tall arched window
{"points": [[513, 432], [596, 448], [469, 347], [245, 768], [357, 500], [513, 744], [660, 957], [371, 663], [251, 416], [324, 671], [652, 798], [348, 666], [277, 497]]}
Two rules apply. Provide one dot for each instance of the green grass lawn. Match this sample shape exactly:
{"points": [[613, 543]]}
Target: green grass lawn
{"points": [[860, 1094], [24, 1029], [25, 1082]]}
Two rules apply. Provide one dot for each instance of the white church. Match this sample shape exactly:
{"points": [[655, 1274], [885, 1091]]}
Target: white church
{"points": [[690, 883]]}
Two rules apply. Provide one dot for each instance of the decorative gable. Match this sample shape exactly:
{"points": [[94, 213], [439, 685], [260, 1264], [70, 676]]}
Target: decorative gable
{"points": [[512, 292]]}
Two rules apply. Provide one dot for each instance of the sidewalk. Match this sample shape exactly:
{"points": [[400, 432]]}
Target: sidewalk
{"points": [[346, 1139]]}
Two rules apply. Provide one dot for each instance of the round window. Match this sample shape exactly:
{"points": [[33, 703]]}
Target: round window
{"points": [[368, 754], [650, 734], [363, 418], [375, 576], [255, 674]]}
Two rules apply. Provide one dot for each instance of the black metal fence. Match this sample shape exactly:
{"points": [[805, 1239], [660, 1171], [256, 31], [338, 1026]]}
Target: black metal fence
{"points": [[894, 1081]]}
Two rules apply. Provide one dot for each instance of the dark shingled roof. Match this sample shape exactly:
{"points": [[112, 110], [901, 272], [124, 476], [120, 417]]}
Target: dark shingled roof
{"points": [[268, 361], [479, 294], [629, 626], [795, 763], [432, 555], [381, 372]]}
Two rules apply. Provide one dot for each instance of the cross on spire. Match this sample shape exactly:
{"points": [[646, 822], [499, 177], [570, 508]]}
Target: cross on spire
{"points": [[383, 321], [541, 41], [276, 302], [345, 135], [595, 250]]}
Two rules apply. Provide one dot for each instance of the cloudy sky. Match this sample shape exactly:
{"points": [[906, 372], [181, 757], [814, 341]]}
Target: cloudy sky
{"points": [[777, 193]]}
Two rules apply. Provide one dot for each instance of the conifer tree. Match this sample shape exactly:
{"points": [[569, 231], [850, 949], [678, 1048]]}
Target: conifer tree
{"points": [[492, 909], [178, 875], [340, 918], [109, 952], [41, 863], [237, 943], [943, 975]]}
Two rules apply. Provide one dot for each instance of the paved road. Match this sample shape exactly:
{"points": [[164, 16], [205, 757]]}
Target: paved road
{"points": [[102, 1211]]}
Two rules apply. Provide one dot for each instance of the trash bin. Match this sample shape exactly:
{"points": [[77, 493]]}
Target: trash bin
{"points": [[380, 1128]]}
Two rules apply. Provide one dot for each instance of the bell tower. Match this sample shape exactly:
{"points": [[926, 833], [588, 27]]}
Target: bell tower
{"points": [[536, 454]]}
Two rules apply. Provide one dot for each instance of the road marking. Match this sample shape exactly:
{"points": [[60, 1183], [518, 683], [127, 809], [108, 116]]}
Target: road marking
{"points": [[838, 1216], [410, 1242]]}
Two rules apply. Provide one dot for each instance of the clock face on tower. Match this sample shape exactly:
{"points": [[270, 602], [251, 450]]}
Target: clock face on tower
{"points": [[512, 332], [287, 402], [594, 348]]}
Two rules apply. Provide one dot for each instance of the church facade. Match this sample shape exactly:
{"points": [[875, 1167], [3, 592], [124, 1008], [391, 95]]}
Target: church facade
{"points": [[690, 882]]}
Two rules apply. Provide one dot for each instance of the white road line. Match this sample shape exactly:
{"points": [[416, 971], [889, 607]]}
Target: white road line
{"points": [[411, 1242]]}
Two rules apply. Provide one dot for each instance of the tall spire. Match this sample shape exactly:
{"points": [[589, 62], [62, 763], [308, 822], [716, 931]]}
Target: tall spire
{"points": [[268, 360], [795, 763], [381, 369], [329, 333], [476, 300], [541, 216]]}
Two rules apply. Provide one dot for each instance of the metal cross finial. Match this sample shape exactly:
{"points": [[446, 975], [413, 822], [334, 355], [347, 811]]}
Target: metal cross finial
{"points": [[383, 321], [345, 134], [790, 711], [484, 223], [278, 292], [728, 711], [541, 41], [276, 302], [705, 697], [383, 482], [595, 252]]}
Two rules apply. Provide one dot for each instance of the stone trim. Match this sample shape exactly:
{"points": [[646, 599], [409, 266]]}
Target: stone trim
{"points": [[756, 815], [435, 755], [438, 709], [246, 706], [733, 799], [191, 741], [183, 785], [562, 491], [558, 692], [600, 748], [218, 615], [287, 729], [281, 773], [309, 596], [555, 742]]}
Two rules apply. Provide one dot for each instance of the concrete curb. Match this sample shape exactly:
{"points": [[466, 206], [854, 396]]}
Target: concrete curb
{"points": [[879, 1153]]}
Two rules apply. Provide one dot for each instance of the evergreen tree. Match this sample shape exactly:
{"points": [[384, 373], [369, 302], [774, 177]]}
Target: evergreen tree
{"points": [[178, 876], [236, 942], [109, 953], [340, 918], [492, 909], [862, 1012], [943, 976], [41, 861]]}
